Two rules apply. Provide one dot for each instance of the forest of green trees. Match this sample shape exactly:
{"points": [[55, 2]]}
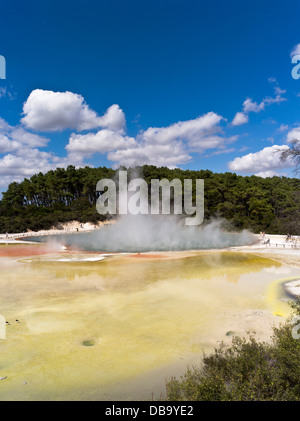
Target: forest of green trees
{"points": [[259, 204]]}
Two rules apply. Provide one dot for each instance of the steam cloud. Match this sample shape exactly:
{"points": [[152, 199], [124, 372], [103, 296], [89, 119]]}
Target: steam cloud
{"points": [[142, 233]]}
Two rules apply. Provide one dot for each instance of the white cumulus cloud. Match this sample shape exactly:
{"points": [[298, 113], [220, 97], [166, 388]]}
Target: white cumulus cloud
{"points": [[101, 142], [293, 137], [193, 131], [13, 138], [250, 106], [113, 119], [56, 111], [270, 173], [168, 155], [171, 146], [27, 162], [261, 162], [240, 118], [296, 50]]}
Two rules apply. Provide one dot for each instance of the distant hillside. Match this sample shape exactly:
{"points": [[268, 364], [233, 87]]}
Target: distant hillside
{"points": [[271, 204]]}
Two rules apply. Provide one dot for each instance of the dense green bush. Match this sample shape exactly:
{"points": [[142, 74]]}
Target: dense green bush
{"points": [[246, 370], [271, 204]]}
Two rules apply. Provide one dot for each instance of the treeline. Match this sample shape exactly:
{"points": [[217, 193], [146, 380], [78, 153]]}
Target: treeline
{"points": [[271, 204]]}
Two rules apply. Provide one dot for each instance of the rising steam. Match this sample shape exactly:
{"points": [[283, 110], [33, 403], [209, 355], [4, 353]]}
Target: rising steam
{"points": [[156, 233]]}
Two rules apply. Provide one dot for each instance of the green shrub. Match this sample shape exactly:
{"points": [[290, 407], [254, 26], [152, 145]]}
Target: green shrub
{"points": [[246, 370]]}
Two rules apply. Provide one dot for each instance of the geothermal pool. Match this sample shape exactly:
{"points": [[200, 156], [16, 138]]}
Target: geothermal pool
{"points": [[86, 326], [142, 233]]}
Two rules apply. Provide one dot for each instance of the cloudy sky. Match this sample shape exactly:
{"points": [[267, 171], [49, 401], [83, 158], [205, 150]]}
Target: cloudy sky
{"points": [[188, 84]]}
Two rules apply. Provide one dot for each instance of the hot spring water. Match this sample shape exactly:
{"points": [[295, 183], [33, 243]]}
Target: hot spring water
{"points": [[115, 328], [153, 233]]}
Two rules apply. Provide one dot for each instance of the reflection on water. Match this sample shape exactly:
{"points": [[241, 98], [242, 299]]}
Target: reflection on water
{"points": [[78, 328], [128, 271]]}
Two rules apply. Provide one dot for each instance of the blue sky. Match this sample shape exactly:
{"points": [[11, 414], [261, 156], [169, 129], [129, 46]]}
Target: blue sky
{"points": [[189, 84]]}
